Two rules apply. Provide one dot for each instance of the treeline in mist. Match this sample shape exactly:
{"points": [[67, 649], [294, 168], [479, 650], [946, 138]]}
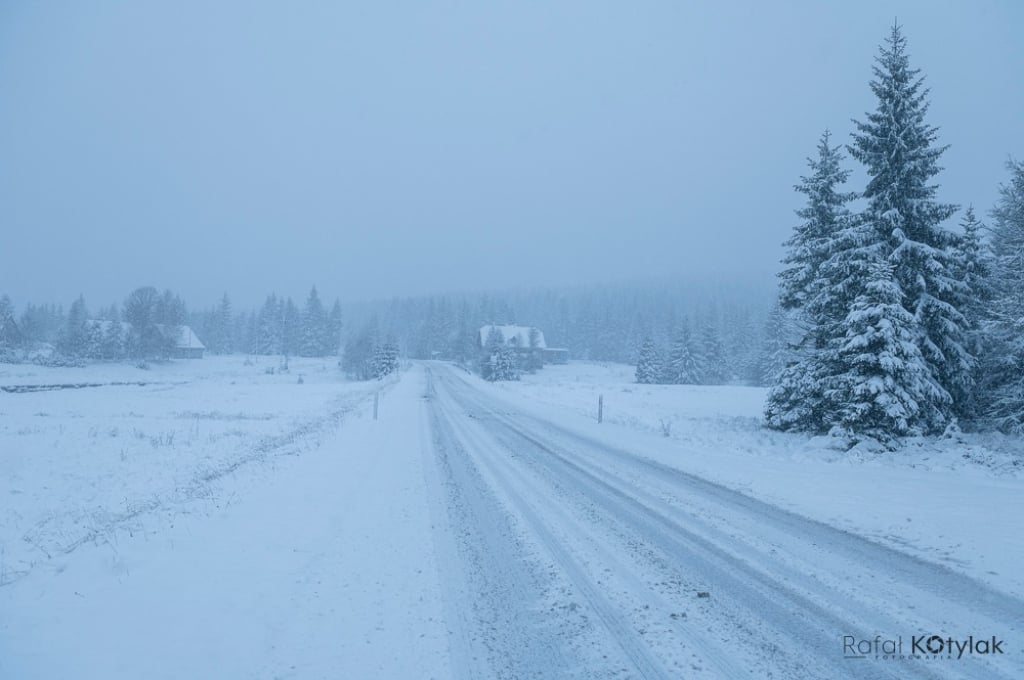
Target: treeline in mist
{"points": [[600, 323]]}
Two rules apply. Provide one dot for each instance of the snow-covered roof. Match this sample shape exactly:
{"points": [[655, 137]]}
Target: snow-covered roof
{"points": [[510, 332], [187, 339]]}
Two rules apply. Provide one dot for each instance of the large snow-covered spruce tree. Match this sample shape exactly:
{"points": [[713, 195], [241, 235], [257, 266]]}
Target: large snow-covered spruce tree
{"points": [[903, 224], [776, 351], [845, 272], [815, 287], [814, 240], [885, 378]]}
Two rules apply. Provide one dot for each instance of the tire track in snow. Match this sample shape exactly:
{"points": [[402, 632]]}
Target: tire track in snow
{"points": [[493, 591], [620, 630], [776, 602]]}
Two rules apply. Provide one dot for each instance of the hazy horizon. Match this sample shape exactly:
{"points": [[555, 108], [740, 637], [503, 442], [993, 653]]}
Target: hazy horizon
{"points": [[387, 152]]}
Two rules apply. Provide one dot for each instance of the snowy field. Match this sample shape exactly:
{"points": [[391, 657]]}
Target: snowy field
{"points": [[958, 502], [78, 464], [251, 529]]}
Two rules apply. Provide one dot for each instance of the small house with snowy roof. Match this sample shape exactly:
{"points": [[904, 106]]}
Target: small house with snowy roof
{"points": [[525, 340], [185, 344]]}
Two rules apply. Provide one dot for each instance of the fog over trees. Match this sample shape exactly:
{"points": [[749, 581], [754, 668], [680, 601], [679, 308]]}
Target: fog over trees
{"points": [[897, 313]]}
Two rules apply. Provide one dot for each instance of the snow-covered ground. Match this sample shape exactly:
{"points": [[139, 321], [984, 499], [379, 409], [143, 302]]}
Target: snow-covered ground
{"points": [[223, 521], [312, 559], [76, 463], [959, 502]]}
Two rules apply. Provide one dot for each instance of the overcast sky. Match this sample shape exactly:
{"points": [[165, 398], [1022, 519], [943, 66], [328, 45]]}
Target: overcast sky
{"points": [[383, 148]]}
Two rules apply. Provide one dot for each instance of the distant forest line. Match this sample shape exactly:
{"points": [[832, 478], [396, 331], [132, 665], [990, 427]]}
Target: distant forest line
{"points": [[601, 323]]}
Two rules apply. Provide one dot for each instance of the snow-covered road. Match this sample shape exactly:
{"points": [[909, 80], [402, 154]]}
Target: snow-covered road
{"points": [[570, 558], [462, 535]]}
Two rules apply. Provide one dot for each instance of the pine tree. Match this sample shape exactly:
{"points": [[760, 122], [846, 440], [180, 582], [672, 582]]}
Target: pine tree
{"points": [[776, 352], [31, 326], [377, 363], [291, 328], [648, 366], [681, 367], [711, 357], [886, 378], [500, 361], [493, 344], [814, 240], [170, 310], [93, 339], [974, 269], [112, 342], [268, 327], [503, 364], [223, 323], [903, 223], [332, 331], [38, 324], [816, 287], [248, 326], [535, 358], [1004, 364], [385, 359], [743, 347], [314, 327], [10, 335], [74, 339]]}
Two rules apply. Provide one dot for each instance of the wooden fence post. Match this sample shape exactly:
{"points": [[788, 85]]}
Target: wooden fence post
{"points": [[600, 408]]}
